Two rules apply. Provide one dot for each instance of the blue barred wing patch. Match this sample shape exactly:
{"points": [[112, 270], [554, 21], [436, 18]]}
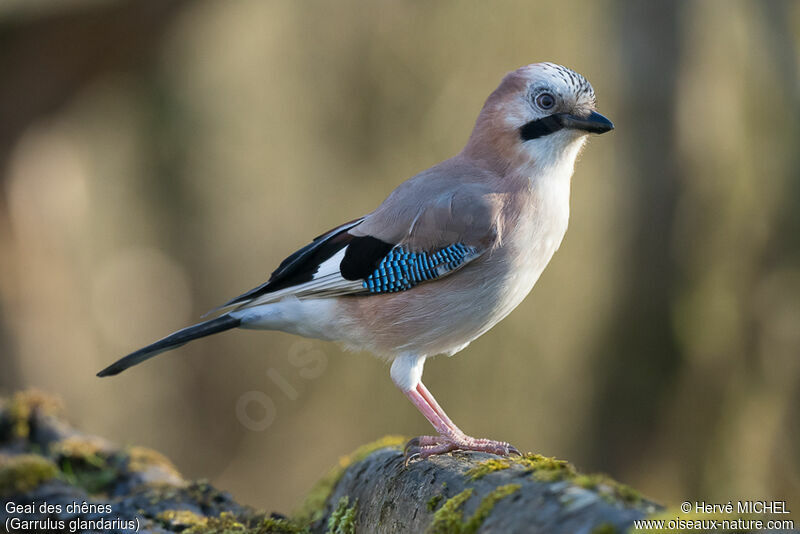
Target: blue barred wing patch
{"points": [[400, 270]]}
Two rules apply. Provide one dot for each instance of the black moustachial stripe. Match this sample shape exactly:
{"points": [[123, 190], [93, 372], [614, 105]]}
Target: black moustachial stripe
{"points": [[592, 123], [541, 127]]}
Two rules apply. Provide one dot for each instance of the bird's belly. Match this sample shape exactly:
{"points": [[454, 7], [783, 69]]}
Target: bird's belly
{"points": [[517, 282], [438, 317], [444, 316]]}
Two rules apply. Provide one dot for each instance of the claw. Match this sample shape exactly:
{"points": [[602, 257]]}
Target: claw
{"points": [[413, 443], [425, 446], [409, 458]]}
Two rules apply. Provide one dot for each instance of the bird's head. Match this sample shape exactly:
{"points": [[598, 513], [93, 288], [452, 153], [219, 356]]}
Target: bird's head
{"points": [[540, 116]]}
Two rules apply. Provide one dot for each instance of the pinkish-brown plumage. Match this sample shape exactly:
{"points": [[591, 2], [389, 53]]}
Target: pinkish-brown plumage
{"points": [[504, 200]]}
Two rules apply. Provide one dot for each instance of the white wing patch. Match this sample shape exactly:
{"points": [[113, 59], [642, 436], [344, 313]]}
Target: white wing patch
{"points": [[399, 270], [326, 282]]}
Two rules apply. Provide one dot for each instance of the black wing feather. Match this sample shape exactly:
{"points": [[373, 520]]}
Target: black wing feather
{"points": [[363, 256], [302, 265]]}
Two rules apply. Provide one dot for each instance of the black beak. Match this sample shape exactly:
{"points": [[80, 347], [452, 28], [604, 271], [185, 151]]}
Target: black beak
{"points": [[594, 123]]}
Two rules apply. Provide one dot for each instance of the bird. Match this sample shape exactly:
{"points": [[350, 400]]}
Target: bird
{"points": [[446, 256]]}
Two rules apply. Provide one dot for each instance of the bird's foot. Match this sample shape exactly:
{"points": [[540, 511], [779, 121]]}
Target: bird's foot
{"points": [[425, 446]]}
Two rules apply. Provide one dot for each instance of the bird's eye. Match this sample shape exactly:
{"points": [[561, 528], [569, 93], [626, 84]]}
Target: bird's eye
{"points": [[545, 100]]}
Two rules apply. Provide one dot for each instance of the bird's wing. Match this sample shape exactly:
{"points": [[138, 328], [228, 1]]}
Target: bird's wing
{"points": [[420, 233], [301, 267]]}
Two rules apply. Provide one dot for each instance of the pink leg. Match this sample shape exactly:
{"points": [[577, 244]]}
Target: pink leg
{"points": [[450, 436], [438, 409]]}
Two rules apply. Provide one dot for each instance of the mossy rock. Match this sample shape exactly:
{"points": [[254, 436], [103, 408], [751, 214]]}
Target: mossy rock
{"points": [[16, 412], [313, 506], [22, 473], [548, 469], [369, 490], [467, 492], [449, 518]]}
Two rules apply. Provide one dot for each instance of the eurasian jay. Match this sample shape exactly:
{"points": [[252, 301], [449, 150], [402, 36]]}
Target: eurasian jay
{"points": [[446, 256]]}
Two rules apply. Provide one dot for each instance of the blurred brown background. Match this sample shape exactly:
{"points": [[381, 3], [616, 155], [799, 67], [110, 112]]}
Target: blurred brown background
{"points": [[160, 156]]}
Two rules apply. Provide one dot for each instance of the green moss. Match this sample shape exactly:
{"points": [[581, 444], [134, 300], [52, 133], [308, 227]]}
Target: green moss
{"points": [[625, 492], [273, 525], [88, 448], [543, 468], [434, 501], [24, 472], [141, 459], [547, 469], [313, 507], [180, 520], [604, 528], [94, 480], [18, 410], [84, 462], [488, 466], [189, 522], [157, 492], [226, 523], [486, 506], [448, 519], [608, 487], [343, 518], [588, 481]]}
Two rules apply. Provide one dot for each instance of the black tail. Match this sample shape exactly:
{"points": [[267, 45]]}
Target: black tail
{"points": [[172, 341]]}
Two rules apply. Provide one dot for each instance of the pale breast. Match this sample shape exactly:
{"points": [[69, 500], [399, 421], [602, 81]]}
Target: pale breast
{"points": [[529, 245], [446, 315]]}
